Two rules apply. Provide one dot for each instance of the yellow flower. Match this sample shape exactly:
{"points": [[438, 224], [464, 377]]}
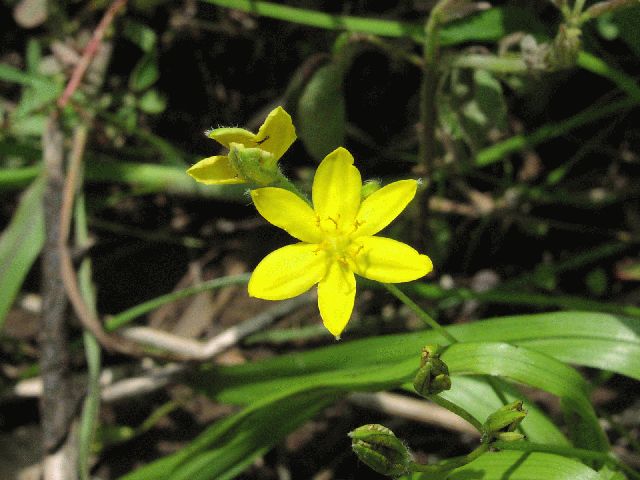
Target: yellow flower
{"points": [[275, 136], [336, 240]]}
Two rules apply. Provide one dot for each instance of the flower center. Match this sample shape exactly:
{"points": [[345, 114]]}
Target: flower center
{"points": [[338, 240]]}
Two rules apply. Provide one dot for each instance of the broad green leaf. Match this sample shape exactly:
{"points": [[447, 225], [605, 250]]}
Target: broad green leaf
{"points": [[596, 340], [20, 245], [321, 114], [390, 361], [229, 446], [519, 466]]}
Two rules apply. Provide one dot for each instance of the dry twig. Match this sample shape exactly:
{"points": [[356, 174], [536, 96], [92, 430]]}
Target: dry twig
{"points": [[89, 52]]}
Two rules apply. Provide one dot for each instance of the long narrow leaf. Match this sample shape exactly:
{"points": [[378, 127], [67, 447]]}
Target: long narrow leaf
{"points": [[20, 245]]}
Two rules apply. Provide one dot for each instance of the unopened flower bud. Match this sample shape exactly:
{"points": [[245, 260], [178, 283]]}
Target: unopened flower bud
{"points": [[379, 448], [433, 375], [254, 164], [502, 423]]}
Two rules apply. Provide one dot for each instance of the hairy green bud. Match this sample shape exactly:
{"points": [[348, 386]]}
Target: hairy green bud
{"points": [[379, 448], [257, 166]]}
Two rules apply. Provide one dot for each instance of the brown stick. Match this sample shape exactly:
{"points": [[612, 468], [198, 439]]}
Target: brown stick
{"points": [[89, 52], [57, 405], [67, 272]]}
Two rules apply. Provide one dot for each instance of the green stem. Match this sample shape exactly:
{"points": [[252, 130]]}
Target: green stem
{"points": [[284, 182], [461, 412], [387, 28], [577, 8], [623, 81], [424, 316], [132, 313], [451, 463], [428, 87], [91, 407], [500, 150]]}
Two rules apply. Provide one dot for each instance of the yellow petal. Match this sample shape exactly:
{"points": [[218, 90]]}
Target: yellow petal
{"points": [[277, 133], [380, 208], [388, 261], [336, 188], [287, 272], [226, 136], [215, 171], [336, 294], [289, 212]]}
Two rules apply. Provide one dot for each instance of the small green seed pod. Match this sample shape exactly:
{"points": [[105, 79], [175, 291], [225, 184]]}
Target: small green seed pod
{"points": [[504, 421], [379, 448], [433, 375]]}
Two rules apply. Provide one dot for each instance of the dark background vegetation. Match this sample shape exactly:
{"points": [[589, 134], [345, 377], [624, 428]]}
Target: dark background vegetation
{"points": [[570, 243]]}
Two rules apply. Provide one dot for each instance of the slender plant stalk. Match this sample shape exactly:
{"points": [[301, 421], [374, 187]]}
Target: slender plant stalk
{"points": [[461, 412], [424, 316], [91, 408], [451, 463], [317, 19], [500, 150], [125, 317]]}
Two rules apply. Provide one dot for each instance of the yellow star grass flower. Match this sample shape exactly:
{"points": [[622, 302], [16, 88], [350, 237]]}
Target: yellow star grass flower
{"points": [[336, 240], [275, 136]]}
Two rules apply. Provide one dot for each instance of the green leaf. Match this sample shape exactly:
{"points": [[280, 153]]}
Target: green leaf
{"points": [[13, 75], [490, 99], [140, 34], [20, 245], [152, 102], [321, 114], [33, 56], [229, 446], [491, 25], [596, 340], [145, 73], [518, 466], [279, 387]]}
